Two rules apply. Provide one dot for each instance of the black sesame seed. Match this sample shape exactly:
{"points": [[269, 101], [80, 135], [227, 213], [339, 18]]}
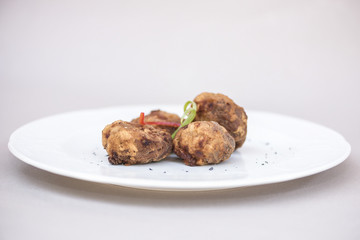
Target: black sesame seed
{"points": [[210, 169], [150, 169]]}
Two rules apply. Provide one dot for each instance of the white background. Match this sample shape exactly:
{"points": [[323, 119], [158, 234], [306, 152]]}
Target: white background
{"points": [[300, 58]]}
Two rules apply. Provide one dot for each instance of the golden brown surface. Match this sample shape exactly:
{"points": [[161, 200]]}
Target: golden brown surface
{"points": [[221, 109], [131, 143], [203, 142], [160, 116]]}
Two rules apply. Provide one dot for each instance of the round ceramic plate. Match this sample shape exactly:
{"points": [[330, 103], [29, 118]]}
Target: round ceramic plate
{"points": [[278, 148]]}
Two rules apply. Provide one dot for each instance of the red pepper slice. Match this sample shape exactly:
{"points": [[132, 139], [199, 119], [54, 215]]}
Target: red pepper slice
{"points": [[168, 124], [141, 119]]}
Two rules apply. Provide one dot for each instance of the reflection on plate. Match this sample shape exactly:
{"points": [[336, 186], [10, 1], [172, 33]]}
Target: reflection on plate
{"points": [[278, 148]]}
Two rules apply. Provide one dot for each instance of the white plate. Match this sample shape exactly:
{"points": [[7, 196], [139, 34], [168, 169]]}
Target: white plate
{"points": [[278, 148]]}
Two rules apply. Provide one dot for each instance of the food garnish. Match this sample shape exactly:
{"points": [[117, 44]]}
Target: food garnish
{"points": [[188, 116], [169, 124]]}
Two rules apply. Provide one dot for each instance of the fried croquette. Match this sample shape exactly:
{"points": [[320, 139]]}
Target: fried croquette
{"points": [[131, 143], [202, 143], [222, 109], [161, 116]]}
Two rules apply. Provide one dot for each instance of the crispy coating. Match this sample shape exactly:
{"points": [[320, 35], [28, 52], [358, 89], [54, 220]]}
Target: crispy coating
{"points": [[222, 109], [203, 142], [131, 143], [160, 116]]}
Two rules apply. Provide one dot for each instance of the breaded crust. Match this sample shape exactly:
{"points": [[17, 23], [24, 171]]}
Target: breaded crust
{"points": [[131, 143], [203, 142], [160, 116], [222, 109]]}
